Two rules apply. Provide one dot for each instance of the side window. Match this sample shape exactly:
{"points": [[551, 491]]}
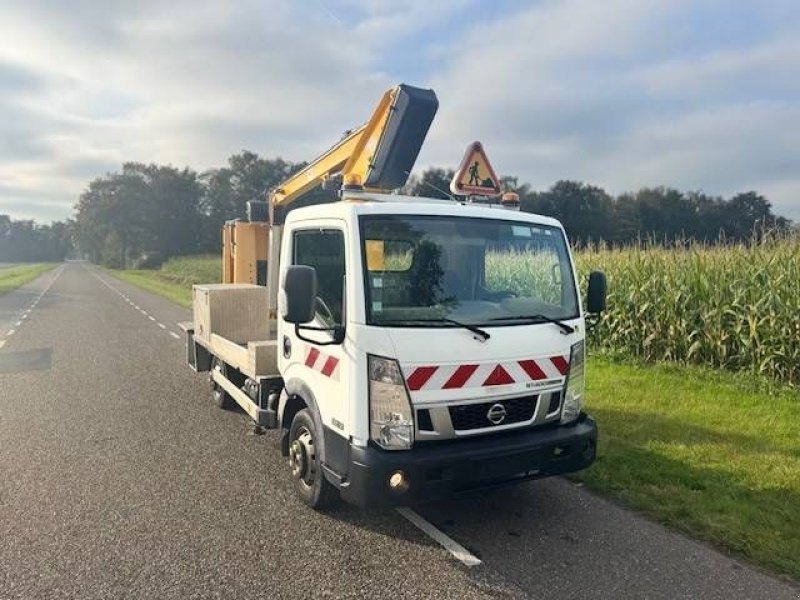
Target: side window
{"points": [[323, 249]]}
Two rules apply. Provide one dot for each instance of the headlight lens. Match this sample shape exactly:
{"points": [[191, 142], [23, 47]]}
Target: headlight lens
{"points": [[391, 420], [576, 383]]}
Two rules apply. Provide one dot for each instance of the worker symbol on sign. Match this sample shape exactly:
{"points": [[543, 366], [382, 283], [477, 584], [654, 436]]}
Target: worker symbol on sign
{"points": [[475, 176]]}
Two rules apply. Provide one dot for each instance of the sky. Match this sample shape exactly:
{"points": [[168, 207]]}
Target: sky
{"points": [[698, 95]]}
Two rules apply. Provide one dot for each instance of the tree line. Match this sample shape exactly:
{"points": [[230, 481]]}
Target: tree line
{"points": [[661, 214], [26, 241], [146, 213]]}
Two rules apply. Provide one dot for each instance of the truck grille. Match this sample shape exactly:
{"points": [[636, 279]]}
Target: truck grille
{"points": [[475, 416]]}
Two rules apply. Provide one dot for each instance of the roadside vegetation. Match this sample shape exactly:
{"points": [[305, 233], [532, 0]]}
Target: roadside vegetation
{"points": [[734, 306], [708, 452], [175, 278], [14, 276]]}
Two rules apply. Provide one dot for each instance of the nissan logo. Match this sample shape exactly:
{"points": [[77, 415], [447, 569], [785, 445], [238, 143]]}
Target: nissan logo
{"points": [[496, 414]]}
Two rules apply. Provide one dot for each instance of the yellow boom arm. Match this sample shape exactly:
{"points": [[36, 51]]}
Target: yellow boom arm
{"points": [[350, 155], [381, 152]]}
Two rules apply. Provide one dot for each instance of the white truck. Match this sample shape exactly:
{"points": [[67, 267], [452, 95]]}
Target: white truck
{"points": [[408, 348]]}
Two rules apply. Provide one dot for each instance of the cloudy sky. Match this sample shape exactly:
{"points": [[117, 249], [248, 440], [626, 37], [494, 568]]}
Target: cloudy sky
{"points": [[701, 95]]}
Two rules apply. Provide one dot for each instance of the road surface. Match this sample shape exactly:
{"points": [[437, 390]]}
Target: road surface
{"points": [[120, 479]]}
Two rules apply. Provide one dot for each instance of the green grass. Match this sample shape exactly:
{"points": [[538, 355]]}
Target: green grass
{"points": [[12, 277], [706, 452], [175, 278]]}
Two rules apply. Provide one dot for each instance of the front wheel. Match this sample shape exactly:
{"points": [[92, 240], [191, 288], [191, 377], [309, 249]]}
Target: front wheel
{"points": [[305, 463]]}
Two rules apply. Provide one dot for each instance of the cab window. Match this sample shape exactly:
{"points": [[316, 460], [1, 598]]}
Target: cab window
{"points": [[323, 249]]}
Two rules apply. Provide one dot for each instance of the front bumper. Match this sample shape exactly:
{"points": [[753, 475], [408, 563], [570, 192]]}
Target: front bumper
{"points": [[437, 471]]}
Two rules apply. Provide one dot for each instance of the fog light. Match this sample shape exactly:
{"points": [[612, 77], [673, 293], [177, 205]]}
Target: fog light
{"points": [[398, 482]]}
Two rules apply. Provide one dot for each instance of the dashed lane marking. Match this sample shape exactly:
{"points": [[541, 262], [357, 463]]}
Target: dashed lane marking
{"points": [[448, 543], [24, 315], [136, 306], [2, 343]]}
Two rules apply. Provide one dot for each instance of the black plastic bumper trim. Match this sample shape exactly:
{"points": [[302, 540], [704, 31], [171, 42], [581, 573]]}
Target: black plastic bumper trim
{"points": [[439, 471]]}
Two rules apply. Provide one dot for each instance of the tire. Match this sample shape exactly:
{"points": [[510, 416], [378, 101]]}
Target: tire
{"points": [[220, 397], [305, 464]]}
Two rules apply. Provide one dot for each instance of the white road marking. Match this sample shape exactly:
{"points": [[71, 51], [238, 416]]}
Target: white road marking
{"points": [[136, 306], [449, 544], [24, 315]]}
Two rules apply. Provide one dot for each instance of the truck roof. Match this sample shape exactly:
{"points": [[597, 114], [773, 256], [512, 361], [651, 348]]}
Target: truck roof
{"points": [[354, 204]]}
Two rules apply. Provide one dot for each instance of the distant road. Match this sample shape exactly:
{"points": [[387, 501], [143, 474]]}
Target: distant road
{"points": [[120, 479]]}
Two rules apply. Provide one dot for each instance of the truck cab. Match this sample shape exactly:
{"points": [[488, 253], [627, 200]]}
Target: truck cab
{"points": [[427, 347], [408, 348]]}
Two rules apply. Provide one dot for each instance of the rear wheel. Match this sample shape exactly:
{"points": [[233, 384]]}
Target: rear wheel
{"points": [[219, 395], [305, 463]]}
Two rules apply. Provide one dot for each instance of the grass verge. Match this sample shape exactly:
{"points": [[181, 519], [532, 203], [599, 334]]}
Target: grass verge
{"points": [[175, 278], [703, 452], [18, 275]]}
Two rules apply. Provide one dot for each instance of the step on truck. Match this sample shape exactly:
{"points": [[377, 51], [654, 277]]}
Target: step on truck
{"points": [[407, 348]]}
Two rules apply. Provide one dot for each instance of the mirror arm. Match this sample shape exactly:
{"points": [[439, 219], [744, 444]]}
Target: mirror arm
{"points": [[595, 320], [337, 331]]}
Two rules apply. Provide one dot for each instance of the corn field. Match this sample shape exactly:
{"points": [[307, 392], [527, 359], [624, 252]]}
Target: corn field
{"points": [[733, 306]]}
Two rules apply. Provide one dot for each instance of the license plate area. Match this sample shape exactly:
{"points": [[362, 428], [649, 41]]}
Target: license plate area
{"points": [[504, 467]]}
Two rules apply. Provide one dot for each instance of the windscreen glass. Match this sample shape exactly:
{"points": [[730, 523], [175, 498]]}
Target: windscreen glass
{"points": [[477, 271]]}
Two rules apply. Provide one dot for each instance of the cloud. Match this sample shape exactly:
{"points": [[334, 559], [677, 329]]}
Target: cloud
{"points": [[626, 94], [623, 93], [174, 83]]}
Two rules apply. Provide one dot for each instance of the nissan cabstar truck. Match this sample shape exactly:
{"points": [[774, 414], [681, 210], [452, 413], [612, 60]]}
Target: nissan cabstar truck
{"points": [[407, 348]]}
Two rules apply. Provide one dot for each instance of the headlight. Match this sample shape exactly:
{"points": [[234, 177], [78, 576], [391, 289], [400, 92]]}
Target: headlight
{"points": [[576, 383], [391, 421]]}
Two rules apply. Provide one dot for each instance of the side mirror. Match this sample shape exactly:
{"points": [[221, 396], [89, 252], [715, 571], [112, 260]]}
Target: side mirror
{"points": [[596, 295], [300, 285]]}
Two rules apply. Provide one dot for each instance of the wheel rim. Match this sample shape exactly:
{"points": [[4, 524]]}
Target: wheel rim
{"points": [[302, 457]]}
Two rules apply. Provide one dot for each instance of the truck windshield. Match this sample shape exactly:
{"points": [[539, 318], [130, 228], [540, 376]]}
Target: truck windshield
{"points": [[476, 271]]}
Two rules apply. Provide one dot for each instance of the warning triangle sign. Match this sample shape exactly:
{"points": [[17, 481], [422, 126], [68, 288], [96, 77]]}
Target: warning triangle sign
{"points": [[475, 176]]}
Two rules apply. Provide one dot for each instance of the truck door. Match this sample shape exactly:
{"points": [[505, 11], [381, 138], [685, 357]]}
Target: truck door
{"points": [[319, 366]]}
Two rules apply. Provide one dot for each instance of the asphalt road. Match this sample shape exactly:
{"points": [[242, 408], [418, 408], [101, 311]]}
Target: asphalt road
{"points": [[120, 479]]}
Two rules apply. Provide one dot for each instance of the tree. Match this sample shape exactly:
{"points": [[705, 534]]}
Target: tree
{"points": [[586, 211], [433, 183], [26, 241], [749, 213], [228, 189]]}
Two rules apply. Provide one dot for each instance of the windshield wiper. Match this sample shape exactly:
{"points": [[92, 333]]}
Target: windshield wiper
{"points": [[538, 318], [484, 335]]}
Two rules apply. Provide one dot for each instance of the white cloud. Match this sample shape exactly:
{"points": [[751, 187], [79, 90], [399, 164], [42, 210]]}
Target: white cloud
{"points": [[612, 93]]}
